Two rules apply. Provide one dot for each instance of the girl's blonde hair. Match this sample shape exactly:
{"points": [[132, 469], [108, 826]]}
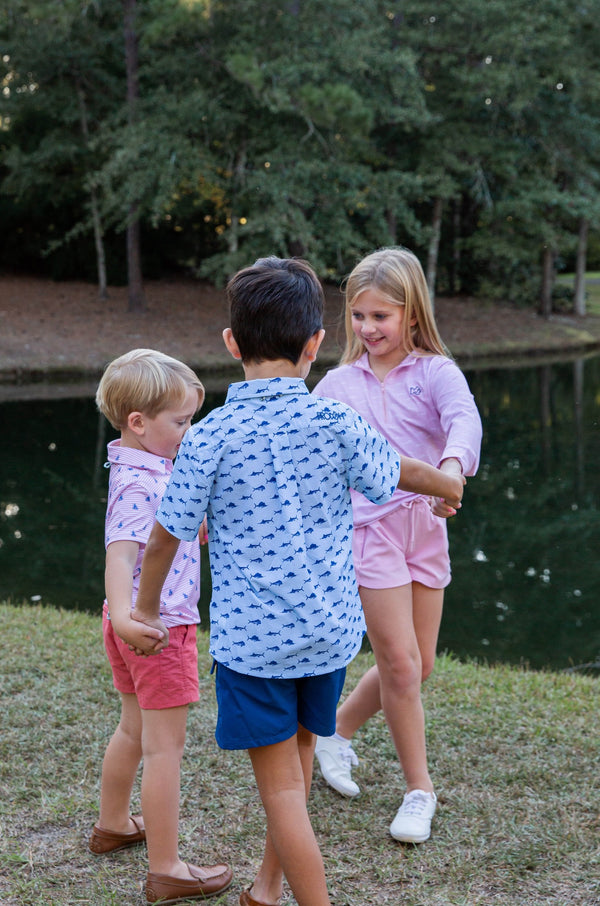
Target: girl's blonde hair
{"points": [[397, 274], [147, 381]]}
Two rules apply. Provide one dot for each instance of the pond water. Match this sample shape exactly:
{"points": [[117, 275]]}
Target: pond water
{"points": [[526, 569]]}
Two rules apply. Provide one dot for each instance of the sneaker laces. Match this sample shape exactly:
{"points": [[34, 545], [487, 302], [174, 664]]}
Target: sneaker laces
{"points": [[348, 756], [414, 803]]}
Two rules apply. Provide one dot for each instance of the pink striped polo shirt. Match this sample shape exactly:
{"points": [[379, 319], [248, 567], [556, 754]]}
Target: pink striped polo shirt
{"points": [[136, 485]]}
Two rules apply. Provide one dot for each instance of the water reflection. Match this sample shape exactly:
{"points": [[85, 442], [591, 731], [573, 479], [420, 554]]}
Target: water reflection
{"points": [[526, 571], [524, 548]]}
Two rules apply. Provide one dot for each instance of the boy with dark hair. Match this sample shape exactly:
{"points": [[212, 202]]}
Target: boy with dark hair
{"points": [[265, 327], [272, 469]]}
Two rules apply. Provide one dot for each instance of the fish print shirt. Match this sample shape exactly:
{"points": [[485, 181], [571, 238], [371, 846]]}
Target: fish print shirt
{"points": [[272, 469]]}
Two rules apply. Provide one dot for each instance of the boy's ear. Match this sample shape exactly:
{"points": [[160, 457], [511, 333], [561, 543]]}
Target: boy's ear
{"points": [[312, 347], [135, 422], [232, 346]]}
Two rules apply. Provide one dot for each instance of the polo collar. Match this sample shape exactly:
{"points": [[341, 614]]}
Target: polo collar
{"points": [[363, 363], [269, 387], [138, 459]]}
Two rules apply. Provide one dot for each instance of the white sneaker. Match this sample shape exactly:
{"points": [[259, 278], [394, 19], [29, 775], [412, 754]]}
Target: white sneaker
{"points": [[336, 760], [412, 823]]}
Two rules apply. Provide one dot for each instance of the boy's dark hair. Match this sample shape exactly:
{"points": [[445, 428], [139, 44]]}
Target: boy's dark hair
{"points": [[275, 306]]}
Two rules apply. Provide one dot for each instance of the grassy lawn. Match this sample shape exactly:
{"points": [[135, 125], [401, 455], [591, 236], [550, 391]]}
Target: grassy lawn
{"points": [[515, 756], [592, 290]]}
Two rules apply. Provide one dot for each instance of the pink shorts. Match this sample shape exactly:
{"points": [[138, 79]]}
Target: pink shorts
{"points": [[168, 679], [408, 545]]}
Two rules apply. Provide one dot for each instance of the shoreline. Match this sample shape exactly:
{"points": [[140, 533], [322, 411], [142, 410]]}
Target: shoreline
{"points": [[62, 383], [56, 338]]}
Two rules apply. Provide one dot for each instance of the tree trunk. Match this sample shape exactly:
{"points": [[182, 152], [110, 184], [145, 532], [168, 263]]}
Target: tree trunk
{"points": [[580, 266], [434, 245], [135, 284], [237, 182], [578, 399], [392, 223], [99, 244], [547, 281], [137, 298], [453, 281], [96, 221]]}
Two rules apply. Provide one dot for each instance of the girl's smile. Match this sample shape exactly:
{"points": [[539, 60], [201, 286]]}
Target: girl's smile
{"points": [[378, 324]]}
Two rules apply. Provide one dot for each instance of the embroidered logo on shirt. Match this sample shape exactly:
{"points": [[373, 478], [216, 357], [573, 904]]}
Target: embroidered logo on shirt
{"points": [[416, 390], [330, 416]]}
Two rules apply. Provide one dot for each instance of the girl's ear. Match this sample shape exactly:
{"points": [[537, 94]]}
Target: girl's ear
{"points": [[232, 346], [135, 423]]}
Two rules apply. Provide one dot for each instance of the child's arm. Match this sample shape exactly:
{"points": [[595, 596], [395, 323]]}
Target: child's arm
{"points": [[121, 558], [439, 507], [421, 478], [158, 557]]}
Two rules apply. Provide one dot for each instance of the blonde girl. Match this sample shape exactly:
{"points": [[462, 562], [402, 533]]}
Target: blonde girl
{"points": [[397, 373]]}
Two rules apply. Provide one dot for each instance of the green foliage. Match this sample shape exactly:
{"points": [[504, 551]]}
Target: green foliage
{"points": [[315, 127]]}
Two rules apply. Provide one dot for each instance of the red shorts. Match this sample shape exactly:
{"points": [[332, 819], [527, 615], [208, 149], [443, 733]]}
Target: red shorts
{"points": [[168, 679], [408, 545]]}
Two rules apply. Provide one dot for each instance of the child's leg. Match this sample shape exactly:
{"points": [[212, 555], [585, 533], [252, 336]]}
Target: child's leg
{"points": [[119, 768], [365, 699], [169, 878], [428, 604], [283, 774], [268, 884], [391, 629], [363, 702], [163, 740]]}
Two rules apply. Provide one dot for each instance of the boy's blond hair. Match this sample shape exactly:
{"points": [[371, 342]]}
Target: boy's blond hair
{"points": [[144, 380]]}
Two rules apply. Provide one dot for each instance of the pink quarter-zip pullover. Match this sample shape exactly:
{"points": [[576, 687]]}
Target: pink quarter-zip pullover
{"points": [[423, 407]]}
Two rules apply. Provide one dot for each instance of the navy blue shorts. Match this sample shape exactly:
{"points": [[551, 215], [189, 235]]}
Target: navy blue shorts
{"points": [[258, 711]]}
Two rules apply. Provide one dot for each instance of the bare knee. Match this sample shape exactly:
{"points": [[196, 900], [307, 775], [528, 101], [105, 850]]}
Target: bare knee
{"points": [[401, 675]]}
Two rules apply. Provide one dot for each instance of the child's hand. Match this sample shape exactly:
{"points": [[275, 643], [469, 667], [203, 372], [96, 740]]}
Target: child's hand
{"points": [[452, 500], [147, 636], [203, 533], [447, 505], [439, 507]]}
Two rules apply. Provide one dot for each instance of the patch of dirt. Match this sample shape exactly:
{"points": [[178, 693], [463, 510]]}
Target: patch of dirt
{"points": [[64, 329]]}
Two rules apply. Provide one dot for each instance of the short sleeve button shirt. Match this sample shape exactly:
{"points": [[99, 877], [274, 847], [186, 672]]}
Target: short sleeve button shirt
{"points": [[272, 470], [136, 485]]}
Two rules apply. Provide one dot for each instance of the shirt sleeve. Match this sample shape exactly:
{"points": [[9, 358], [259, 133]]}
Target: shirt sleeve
{"points": [[459, 417], [373, 464], [186, 498], [132, 515]]}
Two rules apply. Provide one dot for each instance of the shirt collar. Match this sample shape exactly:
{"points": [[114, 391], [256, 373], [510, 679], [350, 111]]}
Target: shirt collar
{"points": [[363, 363], [268, 387], [139, 459]]}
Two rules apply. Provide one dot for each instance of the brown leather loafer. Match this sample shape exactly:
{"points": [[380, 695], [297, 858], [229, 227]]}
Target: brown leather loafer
{"points": [[247, 900], [206, 881], [106, 841]]}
